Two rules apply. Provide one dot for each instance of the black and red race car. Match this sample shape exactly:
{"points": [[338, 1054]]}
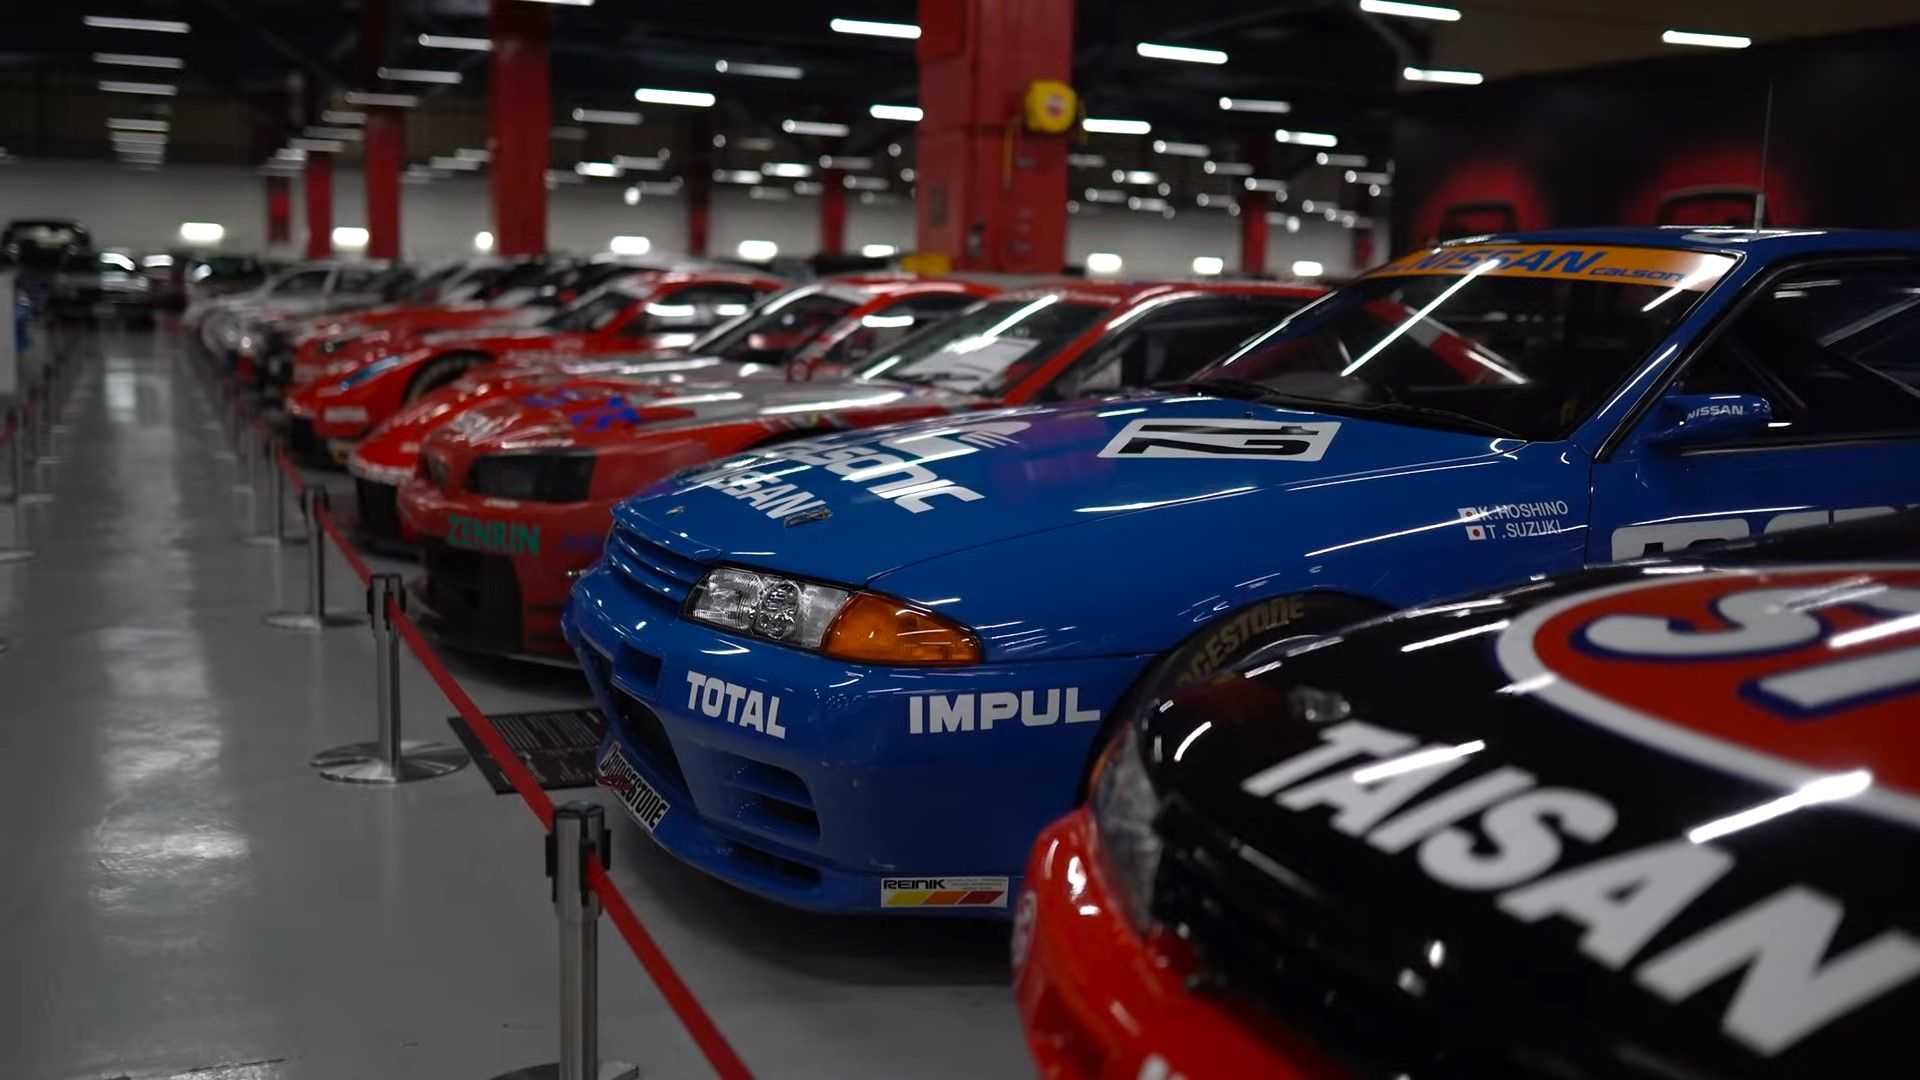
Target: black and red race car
{"points": [[1653, 820]]}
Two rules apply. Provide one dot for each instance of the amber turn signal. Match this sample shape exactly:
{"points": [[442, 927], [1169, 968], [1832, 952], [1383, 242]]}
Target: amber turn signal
{"points": [[879, 630]]}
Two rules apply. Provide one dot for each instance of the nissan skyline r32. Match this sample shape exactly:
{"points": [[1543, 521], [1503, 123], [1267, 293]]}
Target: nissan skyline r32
{"points": [[1646, 821], [861, 673], [514, 497]]}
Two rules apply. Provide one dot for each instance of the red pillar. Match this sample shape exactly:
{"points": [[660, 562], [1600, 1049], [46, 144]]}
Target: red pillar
{"points": [[279, 211], [983, 203], [1254, 206], [384, 150], [833, 212], [519, 95], [319, 190]]}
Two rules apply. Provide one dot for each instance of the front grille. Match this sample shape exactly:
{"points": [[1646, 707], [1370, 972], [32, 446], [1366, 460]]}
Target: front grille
{"points": [[642, 727], [1339, 977], [303, 443], [475, 596], [379, 509], [659, 574]]}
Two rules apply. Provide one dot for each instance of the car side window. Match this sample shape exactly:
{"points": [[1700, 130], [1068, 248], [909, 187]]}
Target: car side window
{"points": [[1171, 342], [304, 283], [1835, 352], [696, 307], [882, 329]]}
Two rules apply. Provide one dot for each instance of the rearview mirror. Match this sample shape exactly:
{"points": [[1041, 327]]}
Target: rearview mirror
{"points": [[1698, 419]]}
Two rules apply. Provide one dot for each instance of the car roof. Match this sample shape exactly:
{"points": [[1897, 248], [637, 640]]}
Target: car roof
{"points": [[1764, 245], [1120, 293]]}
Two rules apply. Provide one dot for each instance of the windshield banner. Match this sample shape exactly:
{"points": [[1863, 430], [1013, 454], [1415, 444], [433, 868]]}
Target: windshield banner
{"points": [[1693, 271]]}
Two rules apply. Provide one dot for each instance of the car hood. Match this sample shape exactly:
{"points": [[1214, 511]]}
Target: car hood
{"points": [[942, 486], [1593, 807], [492, 337]]}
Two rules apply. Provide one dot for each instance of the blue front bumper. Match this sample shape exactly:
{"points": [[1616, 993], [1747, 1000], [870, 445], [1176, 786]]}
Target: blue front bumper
{"points": [[804, 779]]}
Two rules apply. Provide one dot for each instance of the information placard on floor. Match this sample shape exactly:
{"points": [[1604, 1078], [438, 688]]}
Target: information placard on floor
{"points": [[557, 745]]}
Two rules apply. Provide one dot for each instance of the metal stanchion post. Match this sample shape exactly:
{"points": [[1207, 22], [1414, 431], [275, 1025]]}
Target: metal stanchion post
{"points": [[16, 457], [389, 759], [24, 466], [43, 421], [578, 838], [244, 458], [316, 617]]}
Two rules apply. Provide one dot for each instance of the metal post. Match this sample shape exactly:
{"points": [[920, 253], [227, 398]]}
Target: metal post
{"points": [[16, 456], [24, 466], [389, 759], [243, 454], [312, 504], [578, 838]]}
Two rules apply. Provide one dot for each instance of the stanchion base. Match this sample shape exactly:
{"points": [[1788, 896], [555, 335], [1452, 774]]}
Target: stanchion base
{"points": [[609, 1070], [301, 620], [14, 555], [270, 540], [363, 763]]}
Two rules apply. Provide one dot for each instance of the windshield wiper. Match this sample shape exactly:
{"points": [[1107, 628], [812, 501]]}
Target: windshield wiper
{"points": [[1260, 392]]}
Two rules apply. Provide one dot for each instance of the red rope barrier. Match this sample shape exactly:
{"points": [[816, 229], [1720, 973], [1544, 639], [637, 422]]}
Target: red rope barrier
{"points": [[359, 567], [288, 469]]}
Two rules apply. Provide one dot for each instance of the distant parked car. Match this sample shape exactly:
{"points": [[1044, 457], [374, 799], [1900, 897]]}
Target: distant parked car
{"points": [[96, 284]]}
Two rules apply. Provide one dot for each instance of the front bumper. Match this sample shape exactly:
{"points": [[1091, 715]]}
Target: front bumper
{"points": [[1099, 1002], [846, 808]]}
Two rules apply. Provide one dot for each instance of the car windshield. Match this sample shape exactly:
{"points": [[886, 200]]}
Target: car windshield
{"points": [[591, 312], [989, 348], [779, 327], [1518, 341]]}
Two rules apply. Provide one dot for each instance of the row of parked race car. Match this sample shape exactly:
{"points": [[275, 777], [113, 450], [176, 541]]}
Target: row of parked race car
{"points": [[877, 579]]}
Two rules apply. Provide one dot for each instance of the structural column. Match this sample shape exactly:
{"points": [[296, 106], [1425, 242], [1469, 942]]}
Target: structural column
{"points": [[992, 191], [384, 151], [279, 211], [318, 180], [519, 121], [1254, 206], [833, 212]]}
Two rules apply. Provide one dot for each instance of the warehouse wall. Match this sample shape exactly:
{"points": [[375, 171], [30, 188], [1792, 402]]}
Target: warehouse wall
{"points": [[143, 210]]}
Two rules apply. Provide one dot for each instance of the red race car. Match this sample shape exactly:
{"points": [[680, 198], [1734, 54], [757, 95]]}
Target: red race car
{"points": [[513, 497], [644, 312], [822, 326]]}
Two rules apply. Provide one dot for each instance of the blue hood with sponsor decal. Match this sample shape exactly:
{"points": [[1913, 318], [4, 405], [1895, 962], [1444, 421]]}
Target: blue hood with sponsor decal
{"points": [[986, 518]]}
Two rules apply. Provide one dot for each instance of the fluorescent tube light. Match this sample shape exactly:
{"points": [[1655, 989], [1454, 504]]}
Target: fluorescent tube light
{"points": [[698, 99], [1115, 127], [871, 28], [1410, 11], [1183, 53], [1708, 41], [909, 113]]}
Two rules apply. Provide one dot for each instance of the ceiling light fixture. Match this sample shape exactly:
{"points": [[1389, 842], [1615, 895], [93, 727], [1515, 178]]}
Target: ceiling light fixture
{"points": [[351, 237], [1227, 168], [1103, 262], [1115, 127], [1443, 75], [606, 116], [1410, 11], [1708, 41], [419, 75], [137, 138], [828, 161], [347, 133], [115, 86], [1258, 105], [813, 127], [342, 116], [791, 170], [157, 26], [368, 97], [452, 41], [637, 161], [909, 113], [1183, 53], [871, 28], [171, 63], [604, 169], [757, 71], [317, 145], [202, 232], [698, 99], [128, 123], [1305, 138], [1341, 161], [1181, 149]]}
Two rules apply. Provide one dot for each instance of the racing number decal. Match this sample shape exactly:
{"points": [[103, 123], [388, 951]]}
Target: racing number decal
{"points": [[1785, 676], [1221, 438]]}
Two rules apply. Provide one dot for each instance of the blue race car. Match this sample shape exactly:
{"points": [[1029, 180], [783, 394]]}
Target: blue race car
{"points": [[860, 673]]}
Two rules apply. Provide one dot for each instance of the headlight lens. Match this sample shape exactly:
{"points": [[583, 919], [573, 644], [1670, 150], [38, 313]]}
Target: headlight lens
{"points": [[553, 478], [1124, 806], [775, 608]]}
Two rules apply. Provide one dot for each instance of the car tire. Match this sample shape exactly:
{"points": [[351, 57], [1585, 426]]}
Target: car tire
{"points": [[440, 372], [1261, 627]]}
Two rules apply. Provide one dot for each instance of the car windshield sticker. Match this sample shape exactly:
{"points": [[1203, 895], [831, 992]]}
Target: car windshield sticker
{"points": [[1222, 438], [1692, 271], [970, 362]]}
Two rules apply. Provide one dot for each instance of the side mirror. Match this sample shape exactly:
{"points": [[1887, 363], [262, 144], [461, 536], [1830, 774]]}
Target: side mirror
{"points": [[1699, 419]]}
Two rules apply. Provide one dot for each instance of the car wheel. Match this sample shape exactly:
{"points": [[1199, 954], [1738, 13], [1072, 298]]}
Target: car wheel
{"points": [[1262, 628], [439, 373]]}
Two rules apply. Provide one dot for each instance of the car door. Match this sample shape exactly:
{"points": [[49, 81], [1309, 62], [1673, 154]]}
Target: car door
{"points": [[1833, 349]]}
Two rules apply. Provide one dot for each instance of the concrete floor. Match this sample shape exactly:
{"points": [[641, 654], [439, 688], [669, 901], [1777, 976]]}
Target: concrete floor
{"points": [[181, 895]]}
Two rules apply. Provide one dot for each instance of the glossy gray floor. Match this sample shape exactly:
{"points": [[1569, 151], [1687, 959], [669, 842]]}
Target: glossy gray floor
{"points": [[179, 894]]}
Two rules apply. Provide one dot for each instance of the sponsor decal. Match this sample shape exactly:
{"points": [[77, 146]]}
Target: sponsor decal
{"points": [[1788, 677], [738, 705], [1716, 410], [1690, 270], [1267, 439], [943, 892], [497, 537], [605, 414], [1637, 541], [1512, 521], [1524, 845], [618, 775], [1227, 638], [894, 469], [939, 714]]}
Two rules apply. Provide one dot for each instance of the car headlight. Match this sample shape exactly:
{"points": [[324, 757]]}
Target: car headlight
{"points": [[1124, 806], [553, 478], [844, 624]]}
